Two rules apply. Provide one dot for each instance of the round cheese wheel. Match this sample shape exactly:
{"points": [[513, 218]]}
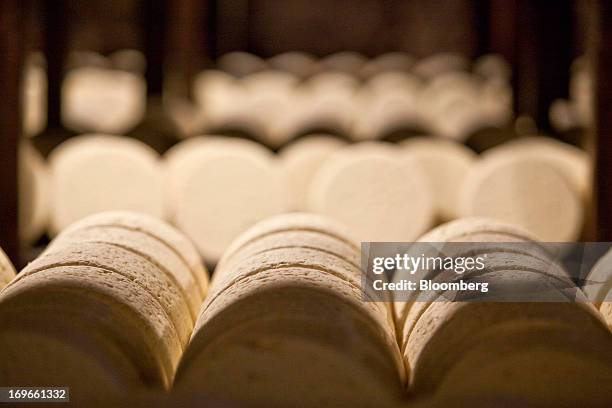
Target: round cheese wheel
{"points": [[34, 194], [606, 311], [349, 62], [154, 228], [297, 63], [598, 283], [440, 63], [34, 95], [300, 161], [144, 246], [524, 192], [121, 261], [103, 100], [278, 310], [95, 173], [446, 164], [239, 63], [448, 328], [536, 363], [571, 162], [292, 222], [7, 270], [391, 61], [90, 311], [378, 194], [223, 191]]}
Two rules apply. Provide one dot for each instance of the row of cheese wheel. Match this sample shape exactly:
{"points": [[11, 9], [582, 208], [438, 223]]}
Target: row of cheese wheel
{"points": [[213, 188], [275, 107], [107, 94], [538, 352], [285, 318], [110, 305]]}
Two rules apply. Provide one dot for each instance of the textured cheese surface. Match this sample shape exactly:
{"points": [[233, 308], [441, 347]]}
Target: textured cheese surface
{"points": [[110, 303], [540, 362], [453, 326], [121, 261], [93, 173], [524, 192], [378, 195], [144, 246], [155, 228]]}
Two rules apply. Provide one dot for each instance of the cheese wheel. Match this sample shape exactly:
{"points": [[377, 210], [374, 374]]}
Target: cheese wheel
{"points": [[448, 328], [225, 190], [299, 162], [136, 268], [34, 194], [606, 311], [524, 192], [156, 229], [95, 173], [391, 61], [278, 311], [103, 100], [34, 94], [144, 246], [95, 311], [446, 164], [376, 193], [349, 62], [440, 63], [240, 63], [297, 63], [571, 162], [598, 283], [292, 222], [7, 270], [537, 364]]}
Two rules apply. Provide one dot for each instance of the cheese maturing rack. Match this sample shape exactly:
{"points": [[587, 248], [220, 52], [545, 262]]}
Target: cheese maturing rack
{"points": [[216, 287], [180, 37]]}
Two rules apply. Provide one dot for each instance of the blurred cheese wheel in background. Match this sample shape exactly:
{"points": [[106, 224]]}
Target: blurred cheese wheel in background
{"points": [[493, 67], [130, 60], [391, 61], [7, 270], [525, 192], [349, 62], [102, 100], [298, 63], [375, 192], [571, 162], [299, 162], [440, 63], [222, 190], [322, 104], [35, 197], [34, 95], [93, 173], [446, 164], [240, 63]]}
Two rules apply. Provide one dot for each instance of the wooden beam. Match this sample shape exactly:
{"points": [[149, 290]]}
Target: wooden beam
{"points": [[11, 64], [600, 51]]}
